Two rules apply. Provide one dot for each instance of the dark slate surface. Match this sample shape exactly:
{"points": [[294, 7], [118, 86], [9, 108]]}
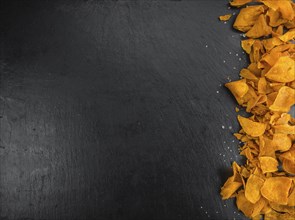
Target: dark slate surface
{"points": [[110, 110]]}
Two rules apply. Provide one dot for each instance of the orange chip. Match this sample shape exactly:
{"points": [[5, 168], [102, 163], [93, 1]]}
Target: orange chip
{"points": [[283, 70], [249, 209], [284, 100], [247, 17], [232, 184], [225, 17], [252, 128], [276, 189], [273, 215], [268, 164], [247, 45], [244, 205], [288, 166], [281, 142], [286, 10], [290, 35], [262, 85], [284, 129], [260, 28], [275, 18], [291, 198], [252, 189], [248, 75], [239, 3], [238, 89]]}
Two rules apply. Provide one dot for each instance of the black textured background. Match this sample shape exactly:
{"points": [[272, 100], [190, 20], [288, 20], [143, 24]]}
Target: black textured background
{"points": [[114, 110]]}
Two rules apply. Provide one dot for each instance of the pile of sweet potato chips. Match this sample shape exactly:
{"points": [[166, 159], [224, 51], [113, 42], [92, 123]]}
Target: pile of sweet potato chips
{"points": [[265, 186]]}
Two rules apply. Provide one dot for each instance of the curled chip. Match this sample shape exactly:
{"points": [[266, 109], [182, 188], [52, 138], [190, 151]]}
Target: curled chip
{"points": [[249, 209], [247, 45], [268, 164], [284, 100], [252, 128], [239, 3], [276, 189], [238, 89], [260, 28], [283, 70], [281, 142], [252, 189], [233, 183], [247, 17], [288, 161], [225, 17], [290, 35], [291, 198]]}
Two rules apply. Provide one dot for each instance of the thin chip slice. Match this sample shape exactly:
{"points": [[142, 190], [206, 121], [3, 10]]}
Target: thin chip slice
{"points": [[247, 45], [290, 35], [247, 17], [238, 3], [284, 100], [238, 89], [260, 28], [281, 142], [252, 128], [252, 189], [288, 166], [268, 164], [291, 198], [283, 70], [276, 189], [244, 204], [225, 17]]}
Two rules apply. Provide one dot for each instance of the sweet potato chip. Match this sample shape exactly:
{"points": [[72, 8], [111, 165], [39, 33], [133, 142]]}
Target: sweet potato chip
{"points": [[252, 189], [247, 45], [286, 9], [225, 17], [260, 28], [288, 166], [233, 183], [284, 129], [284, 100], [268, 164], [276, 189], [275, 18], [290, 35], [273, 215], [239, 3], [281, 142], [291, 198], [249, 209], [238, 89], [252, 128], [283, 70], [247, 17]]}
